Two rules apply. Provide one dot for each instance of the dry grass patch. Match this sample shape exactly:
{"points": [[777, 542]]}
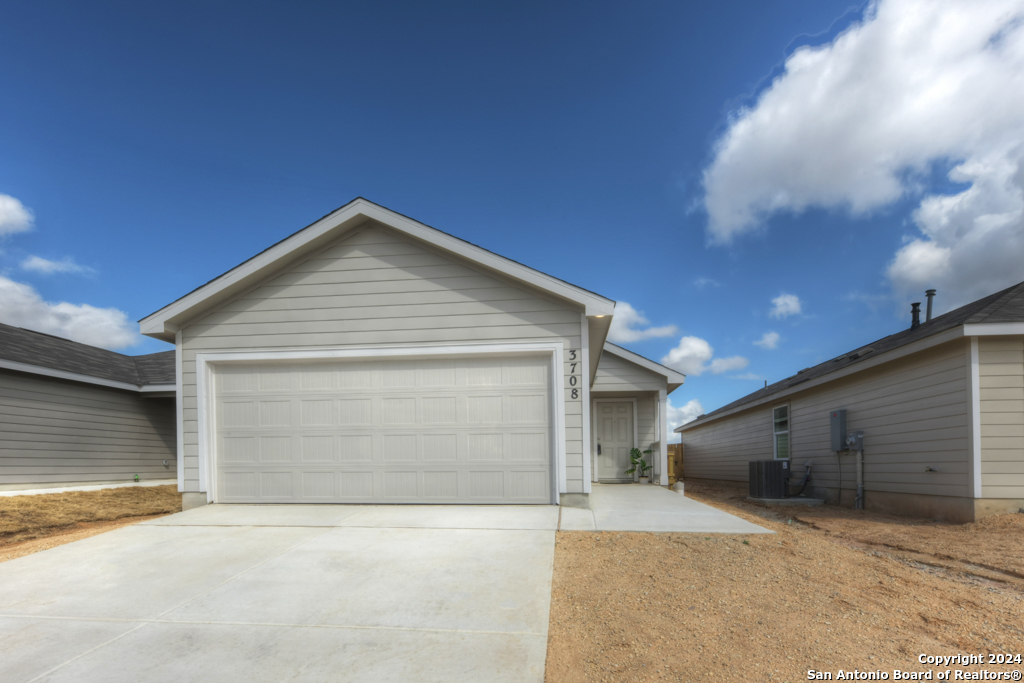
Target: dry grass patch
{"points": [[24, 518], [832, 588]]}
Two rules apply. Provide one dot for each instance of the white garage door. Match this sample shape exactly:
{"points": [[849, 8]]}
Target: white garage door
{"points": [[466, 430]]}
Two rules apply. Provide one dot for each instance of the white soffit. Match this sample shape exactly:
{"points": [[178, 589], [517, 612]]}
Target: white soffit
{"points": [[164, 323]]}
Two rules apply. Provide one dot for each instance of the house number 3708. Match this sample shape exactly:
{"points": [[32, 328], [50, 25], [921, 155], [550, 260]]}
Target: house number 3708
{"points": [[574, 373]]}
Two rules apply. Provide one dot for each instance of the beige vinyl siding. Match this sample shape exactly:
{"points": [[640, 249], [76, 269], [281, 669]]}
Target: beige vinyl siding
{"points": [[54, 431], [914, 413], [1001, 382], [618, 374], [372, 288], [721, 449], [646, 422]]}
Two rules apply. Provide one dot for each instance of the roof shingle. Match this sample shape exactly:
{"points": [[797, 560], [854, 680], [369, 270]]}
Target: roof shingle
{"points": [[56, 353]]}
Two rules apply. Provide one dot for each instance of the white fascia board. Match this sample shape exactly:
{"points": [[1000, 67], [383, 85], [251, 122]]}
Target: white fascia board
{"points": [[73, 376], [895, 354], [158, 388], [673, 377], [993, 329], [162, 323]]}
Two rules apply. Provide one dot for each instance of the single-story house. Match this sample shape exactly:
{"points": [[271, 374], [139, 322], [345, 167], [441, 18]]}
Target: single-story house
{"points": [[369, 358], [940, 405], [73, 414]]}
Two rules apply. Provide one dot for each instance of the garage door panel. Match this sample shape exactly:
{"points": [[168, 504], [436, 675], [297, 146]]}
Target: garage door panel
{"points": [[477, 485], [472, 430]]}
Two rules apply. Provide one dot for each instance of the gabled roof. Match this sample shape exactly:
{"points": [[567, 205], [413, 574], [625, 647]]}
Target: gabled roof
{"points": [[675, 379], [1002, 308], [164, 323], [39, 353]]}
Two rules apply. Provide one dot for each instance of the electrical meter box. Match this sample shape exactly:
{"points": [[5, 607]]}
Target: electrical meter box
{"points": [[838, 421]]}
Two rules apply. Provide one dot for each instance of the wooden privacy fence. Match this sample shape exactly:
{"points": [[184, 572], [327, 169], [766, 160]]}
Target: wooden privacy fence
{"points": [[675, 462]]}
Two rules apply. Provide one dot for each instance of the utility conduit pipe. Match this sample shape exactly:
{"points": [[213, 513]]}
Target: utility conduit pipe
{"points": [[859, 503]]}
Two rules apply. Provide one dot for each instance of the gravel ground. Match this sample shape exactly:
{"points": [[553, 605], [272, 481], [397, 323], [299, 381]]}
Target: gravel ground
{"points": [[832, 589]]}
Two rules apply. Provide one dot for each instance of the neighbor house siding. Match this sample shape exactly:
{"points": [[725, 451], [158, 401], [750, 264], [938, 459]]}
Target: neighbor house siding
{"points": [[376, 288], [55, 431], [913, 411], [1001, 381]]}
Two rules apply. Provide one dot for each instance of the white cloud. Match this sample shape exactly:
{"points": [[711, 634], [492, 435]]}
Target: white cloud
{"points": [[858, 123], [770, 340], [702, 282], [38, 264], [14, 216], [626, 324], [785, 305], [21, 306], [749, 375], [677, 417], [693, 356]]}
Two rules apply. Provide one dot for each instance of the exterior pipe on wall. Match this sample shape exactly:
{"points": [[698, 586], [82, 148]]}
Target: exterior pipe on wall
{"points": [[859, 503]]}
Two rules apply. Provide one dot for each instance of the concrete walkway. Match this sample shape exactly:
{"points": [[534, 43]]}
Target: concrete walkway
{"points": [[298, 593], [636, 507]]}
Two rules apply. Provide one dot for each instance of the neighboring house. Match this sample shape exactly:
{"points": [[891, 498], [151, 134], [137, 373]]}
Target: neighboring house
{"points": [[941, 406], [371, 358], [73, 414]]}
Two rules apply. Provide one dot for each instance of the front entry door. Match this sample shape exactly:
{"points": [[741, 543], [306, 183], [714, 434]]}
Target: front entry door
{"points": [[615, 438]]}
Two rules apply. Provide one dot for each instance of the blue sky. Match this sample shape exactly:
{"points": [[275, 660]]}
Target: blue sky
{"points": [[673, 156]]}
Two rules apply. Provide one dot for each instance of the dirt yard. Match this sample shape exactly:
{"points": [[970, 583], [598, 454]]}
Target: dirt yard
{"points": [[29, 524], [831, 589]]}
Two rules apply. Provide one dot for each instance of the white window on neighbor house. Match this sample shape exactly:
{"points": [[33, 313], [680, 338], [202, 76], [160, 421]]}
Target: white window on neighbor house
{"points": [[780, 428]]}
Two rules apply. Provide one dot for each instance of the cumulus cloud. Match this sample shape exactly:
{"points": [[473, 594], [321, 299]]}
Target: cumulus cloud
{"points": [[630, 325], [14, 216], [677, 417], [22, 306], [859, 122], [38, 264], [693, 356], [770, 340], [785, 305]]}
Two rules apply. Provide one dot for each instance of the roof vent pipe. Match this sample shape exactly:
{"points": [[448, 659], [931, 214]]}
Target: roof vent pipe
{"points": [[930, 293], [915, 315]]}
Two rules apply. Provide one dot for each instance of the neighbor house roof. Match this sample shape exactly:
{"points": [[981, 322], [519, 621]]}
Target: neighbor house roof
{"points": [[675, 378], [163, 323], [989, 315], [39, 353]]}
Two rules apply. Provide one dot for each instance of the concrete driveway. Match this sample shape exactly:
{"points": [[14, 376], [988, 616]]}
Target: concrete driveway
{"points": [[288, 593]]}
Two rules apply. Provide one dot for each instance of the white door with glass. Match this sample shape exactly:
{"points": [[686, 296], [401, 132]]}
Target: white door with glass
{"points": [[780, 419], [614, 440]]}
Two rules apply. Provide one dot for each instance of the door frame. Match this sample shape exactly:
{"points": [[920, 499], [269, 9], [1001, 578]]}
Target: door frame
{"points": [[206, 392], [593, 429]]}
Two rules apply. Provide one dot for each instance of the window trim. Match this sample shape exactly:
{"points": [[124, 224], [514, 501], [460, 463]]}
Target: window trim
{"points": [[787, 432]]}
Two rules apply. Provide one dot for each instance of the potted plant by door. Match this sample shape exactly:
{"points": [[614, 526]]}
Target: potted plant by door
{"points": [[640, 465]]}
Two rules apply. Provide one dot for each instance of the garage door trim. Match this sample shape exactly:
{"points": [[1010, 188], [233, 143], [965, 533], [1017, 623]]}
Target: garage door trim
{"points": [[204, 391]]}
